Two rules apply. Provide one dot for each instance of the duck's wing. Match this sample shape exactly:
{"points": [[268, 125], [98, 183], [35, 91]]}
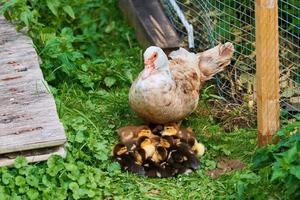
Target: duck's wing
{"points": [[183, 54], [185, 72]]}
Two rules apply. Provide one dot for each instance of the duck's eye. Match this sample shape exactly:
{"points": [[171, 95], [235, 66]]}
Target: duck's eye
{"points": [[155, 55]]}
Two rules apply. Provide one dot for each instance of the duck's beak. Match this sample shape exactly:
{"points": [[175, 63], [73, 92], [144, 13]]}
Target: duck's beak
{"points": [[149, 67]]}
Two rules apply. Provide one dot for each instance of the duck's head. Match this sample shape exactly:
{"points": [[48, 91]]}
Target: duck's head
{"points": [[154, 59]]}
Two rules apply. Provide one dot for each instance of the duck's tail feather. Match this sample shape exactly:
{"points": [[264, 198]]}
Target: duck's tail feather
{"points": [[214, 60]]}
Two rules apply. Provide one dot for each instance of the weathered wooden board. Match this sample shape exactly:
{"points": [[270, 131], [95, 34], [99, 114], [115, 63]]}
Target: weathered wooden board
{"points": [[32, 155], [151, 25], [28, 117]]}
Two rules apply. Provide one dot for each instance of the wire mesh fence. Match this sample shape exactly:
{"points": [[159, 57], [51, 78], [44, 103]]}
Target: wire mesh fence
{"points": [[219, 21]]}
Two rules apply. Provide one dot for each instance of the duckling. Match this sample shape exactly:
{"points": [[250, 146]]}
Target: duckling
{"points": [[145, 143], [168, 170], [149, 134], [158, 130], [178, 141], [129, 133], [119, 149], [166, 141], [186, 133], [175, 163], [158, 151], [192, 159], [140, 156], [160, 154], [145, 132], [133, 166], [173, 140], [153, 169], [197, 147], [183, 158], [169, 131], [174, 125], [126, 159], [155, 139]]}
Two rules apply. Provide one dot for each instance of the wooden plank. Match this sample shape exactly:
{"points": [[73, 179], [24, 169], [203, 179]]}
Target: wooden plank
{"points": [[28, 117], [267, 69], [32, 137], [151, 25], [31, 156]]}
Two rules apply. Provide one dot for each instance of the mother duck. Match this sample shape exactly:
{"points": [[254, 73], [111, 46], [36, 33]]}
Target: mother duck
{"points": [[167, 91]]}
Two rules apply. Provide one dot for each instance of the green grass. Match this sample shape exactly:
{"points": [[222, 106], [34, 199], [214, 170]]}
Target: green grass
{"points": [[91, 95], [90, 119]]}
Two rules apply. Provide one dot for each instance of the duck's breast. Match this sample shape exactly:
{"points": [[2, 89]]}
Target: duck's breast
{"points": [[157, 100]]}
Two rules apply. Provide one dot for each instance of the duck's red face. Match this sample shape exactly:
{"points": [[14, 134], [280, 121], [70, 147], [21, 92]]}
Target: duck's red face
{"points": [[149, 65]]}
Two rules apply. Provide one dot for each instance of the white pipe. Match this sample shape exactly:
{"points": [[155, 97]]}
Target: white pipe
{"points": [[187, 26]]}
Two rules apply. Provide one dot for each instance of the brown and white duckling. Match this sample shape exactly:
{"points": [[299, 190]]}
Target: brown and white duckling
{"points": [[130, 133]]}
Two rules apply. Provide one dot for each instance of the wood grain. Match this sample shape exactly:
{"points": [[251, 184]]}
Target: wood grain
{"points": [[151, 25], [28, 117], [32, 155], [267, 69]]}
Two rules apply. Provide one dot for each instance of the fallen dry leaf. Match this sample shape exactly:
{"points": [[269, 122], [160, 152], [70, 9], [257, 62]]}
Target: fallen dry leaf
{"points": [[155, 191], [225, 165], [215, 173], [230, 164]]}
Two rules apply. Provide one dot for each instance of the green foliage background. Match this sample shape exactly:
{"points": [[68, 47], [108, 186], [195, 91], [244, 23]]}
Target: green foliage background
{"points": [[75, 39], [89, 57]]}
